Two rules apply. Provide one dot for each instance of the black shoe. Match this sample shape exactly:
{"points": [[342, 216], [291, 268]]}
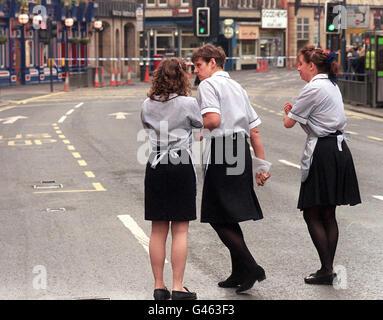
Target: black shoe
{"points": [[161, 294], [320, 278], [258, 274], [181, 295], [231, 282]]}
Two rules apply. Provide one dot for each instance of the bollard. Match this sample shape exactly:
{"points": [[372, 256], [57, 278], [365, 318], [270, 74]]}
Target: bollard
{"points": [[66, 84], [129, 79], [118, 82], [112, 80], [265, 65], [147, 74], [96, 82]]}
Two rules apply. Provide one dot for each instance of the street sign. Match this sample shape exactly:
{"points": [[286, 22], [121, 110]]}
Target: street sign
{"points": [[228, 32]]}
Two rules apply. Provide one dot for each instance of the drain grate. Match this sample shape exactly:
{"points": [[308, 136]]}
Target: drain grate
{"points": [[48, 184], [55, 210]]}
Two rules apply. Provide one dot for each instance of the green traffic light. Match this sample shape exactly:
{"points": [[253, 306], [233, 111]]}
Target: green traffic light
{"points": [[201, 30], [331, 27]]}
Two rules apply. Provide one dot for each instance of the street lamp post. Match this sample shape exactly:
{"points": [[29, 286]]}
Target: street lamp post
{"points": [[343, 41], [23, 20], [68, 24]]}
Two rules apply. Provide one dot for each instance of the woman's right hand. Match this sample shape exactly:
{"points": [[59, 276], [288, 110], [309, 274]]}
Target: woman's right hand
{"points": [[288, 106]]}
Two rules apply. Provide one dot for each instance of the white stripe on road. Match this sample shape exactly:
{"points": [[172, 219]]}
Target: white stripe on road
{"points": [[135, 229], [62, 119], [288, 163], [378, 197]]}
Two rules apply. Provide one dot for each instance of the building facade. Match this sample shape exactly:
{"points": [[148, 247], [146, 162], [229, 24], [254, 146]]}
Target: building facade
{"points": [[119, 37], [168, 29], [24, 53], [306, 24]]}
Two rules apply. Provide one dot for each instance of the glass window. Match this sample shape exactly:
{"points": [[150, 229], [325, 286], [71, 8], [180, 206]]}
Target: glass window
{"points": [[185, 3], [29, 56], [188, 43], [306, 20], [2, 55], [150, 2], [163, 2], [248, 47], [45, 52]]}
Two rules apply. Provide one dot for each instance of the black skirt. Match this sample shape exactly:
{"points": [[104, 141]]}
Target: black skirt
{"points": [[332, 178], [170, 190], [228, 197]]}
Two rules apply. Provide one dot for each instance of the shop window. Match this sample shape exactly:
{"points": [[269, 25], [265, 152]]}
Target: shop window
{"points": [[44, 51], [248, 47], [164, 43], [2, 56], [29, 56], [188, 44], [224, 3], [303, 29]]}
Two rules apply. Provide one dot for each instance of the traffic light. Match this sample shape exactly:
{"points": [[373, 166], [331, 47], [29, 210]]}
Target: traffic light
{"points": [[52, 28], [203, 22], [333, 12]]}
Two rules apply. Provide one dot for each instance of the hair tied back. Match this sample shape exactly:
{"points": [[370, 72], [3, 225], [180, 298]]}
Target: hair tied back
{"points": [[330, 57]]}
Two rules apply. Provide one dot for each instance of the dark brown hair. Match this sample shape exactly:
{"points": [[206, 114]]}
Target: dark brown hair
{"points": [[170, 77], [321, 60], [207, 52]]}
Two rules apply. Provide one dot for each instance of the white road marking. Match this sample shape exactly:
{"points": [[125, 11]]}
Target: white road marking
{"points": [[288, 163], [136, 230], [69, 112], [62, 119], [378, 197], [79, 105]]}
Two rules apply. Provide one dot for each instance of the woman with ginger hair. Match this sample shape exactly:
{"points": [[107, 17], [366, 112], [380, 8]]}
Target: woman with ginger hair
{"points": [[169, 116], [328, 174]]}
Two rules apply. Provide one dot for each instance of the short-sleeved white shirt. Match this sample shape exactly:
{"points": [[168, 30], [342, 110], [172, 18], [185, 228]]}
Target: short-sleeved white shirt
{"points": [[170, 123], [319, 107], [221, 94]]}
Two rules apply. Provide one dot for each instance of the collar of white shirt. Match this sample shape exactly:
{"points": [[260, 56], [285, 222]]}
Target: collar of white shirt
{"points": [[221, 73], [320, 76]]}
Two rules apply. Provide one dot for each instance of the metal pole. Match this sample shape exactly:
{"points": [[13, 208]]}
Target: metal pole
{"points": [[319, 10], [50, 52], [343, 43]]}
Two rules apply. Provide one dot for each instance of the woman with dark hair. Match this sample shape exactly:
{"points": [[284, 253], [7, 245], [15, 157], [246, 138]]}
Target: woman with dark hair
{"points": [[169, 116], [328, 173]]}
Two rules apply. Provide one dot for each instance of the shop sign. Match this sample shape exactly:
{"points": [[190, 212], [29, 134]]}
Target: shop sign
{"points": [[248, 32], [358, 17], [272, 18]]}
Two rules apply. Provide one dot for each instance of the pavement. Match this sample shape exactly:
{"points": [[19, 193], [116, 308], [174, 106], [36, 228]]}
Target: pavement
{"points": [[23, 94]]}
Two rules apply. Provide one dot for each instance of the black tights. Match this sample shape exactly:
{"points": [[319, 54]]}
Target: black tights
{"points": [[324, 233], [232, 237]]}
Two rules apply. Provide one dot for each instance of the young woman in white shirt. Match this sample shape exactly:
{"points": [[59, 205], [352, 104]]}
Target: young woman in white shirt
{"points": [[169, 116], [328, 173]]}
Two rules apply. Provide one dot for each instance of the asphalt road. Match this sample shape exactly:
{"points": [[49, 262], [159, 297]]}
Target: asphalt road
{"points": [[80, 232]]}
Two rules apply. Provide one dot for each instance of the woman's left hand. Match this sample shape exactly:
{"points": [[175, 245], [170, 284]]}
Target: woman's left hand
{"points": [[288, 106], [261, 178]]}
